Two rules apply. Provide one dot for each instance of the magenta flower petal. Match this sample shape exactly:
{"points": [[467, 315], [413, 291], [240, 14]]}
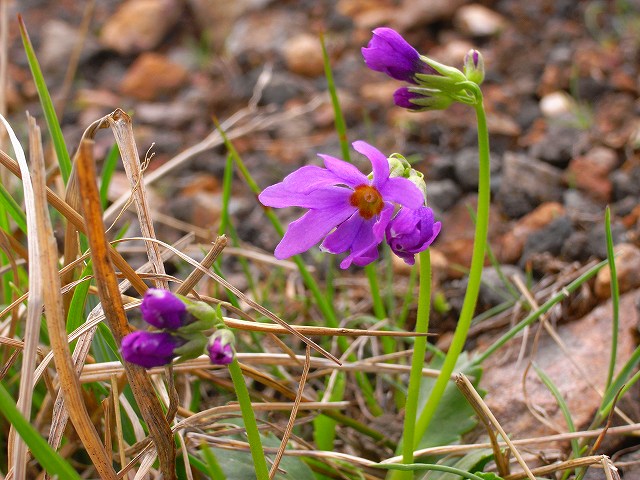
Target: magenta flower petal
{"points": [[361, 249], [349, 174], [378, 161], [163, 309], [402, 191], [389, 53], [149, 349], [280, 196], [309, 229], [380, 226], [340, 240]]}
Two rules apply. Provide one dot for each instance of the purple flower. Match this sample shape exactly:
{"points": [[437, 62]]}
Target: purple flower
{"points": [[411, 232], [220, 348], [389, 53], [149, 349], [341, 197], [163, 309]]}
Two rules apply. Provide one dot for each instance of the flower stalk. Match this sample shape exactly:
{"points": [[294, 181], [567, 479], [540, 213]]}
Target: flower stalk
{"points": [[475, 274], [249, 419], [417, 364]]}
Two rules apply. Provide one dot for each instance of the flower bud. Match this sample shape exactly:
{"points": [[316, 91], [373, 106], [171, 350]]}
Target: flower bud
{"points": [[149, 349], [420, 99], [389, 53], [163, 309], [411, 232], [220, 347], [400, 167], [474, 66]]}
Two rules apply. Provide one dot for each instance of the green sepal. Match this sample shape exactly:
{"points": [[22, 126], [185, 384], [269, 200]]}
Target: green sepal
{"points": [[205, 315], [195, 346]]}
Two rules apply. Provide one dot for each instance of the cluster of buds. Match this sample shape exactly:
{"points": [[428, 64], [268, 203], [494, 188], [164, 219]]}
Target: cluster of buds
{"points": [[434, 86], [181, 324]]}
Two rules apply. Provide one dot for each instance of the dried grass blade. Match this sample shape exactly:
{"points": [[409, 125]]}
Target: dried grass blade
{"points": [[74, 217], [34, 310], [47, 264], [122, 130], [114, 312], [294, 413]]}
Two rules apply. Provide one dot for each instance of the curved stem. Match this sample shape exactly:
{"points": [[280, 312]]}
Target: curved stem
{"points": [[417, 364], [475, 274], [253, 434]]}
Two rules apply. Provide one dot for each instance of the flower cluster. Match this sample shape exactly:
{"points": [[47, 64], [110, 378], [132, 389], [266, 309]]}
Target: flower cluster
{"points": [[181, 324], [352, 212], [434, 86]]}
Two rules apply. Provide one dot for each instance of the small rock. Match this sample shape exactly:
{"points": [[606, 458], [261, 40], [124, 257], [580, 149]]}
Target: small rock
{"points": [[576, 248], [548, 239], [627, 269], [303, 55], [556, 104], [493, 290], [257, 37], [511, 244], [139, 25], [590, 172], [478, 21], [151, 76], [580, 207], [526, 183], [597, 238], [443, 194], [558, 145], [626, 181], [59, 39], [466, 168]]}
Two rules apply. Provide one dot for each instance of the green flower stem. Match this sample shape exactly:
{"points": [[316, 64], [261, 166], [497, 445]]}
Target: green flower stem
{"points": [[475, 274], [417, 364], [255, 443]]}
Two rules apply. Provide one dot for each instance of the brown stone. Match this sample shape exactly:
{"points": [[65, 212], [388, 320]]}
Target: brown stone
{"points": [[139, 25], [627, 270], [303, 55], [151, 76], [510, 245], [590, 172]]}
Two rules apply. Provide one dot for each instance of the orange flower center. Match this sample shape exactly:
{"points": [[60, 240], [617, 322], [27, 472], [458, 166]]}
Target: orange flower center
{"points": [[367, 200]]}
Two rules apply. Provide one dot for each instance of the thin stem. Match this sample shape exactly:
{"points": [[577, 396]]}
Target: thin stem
{"points": [[255, 443], [417, 364], [475, 274]]}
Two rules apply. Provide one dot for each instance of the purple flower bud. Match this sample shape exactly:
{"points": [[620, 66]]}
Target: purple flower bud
{"points": [[474, 66], [389, 53], [419, 99], [403, 98], [149, 349], [220, 347], [163, 309], [411, 232]]}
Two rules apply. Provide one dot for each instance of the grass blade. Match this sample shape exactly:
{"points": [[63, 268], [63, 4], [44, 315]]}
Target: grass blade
{"points": [[615, 296], [50, 460], [64, 160]]}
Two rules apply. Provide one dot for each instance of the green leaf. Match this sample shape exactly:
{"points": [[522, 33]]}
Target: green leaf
{"points": [[453, 417], [237, 465]]}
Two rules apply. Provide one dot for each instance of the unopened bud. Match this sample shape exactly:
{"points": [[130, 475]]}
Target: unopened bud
{"points": [[474, 66]]}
